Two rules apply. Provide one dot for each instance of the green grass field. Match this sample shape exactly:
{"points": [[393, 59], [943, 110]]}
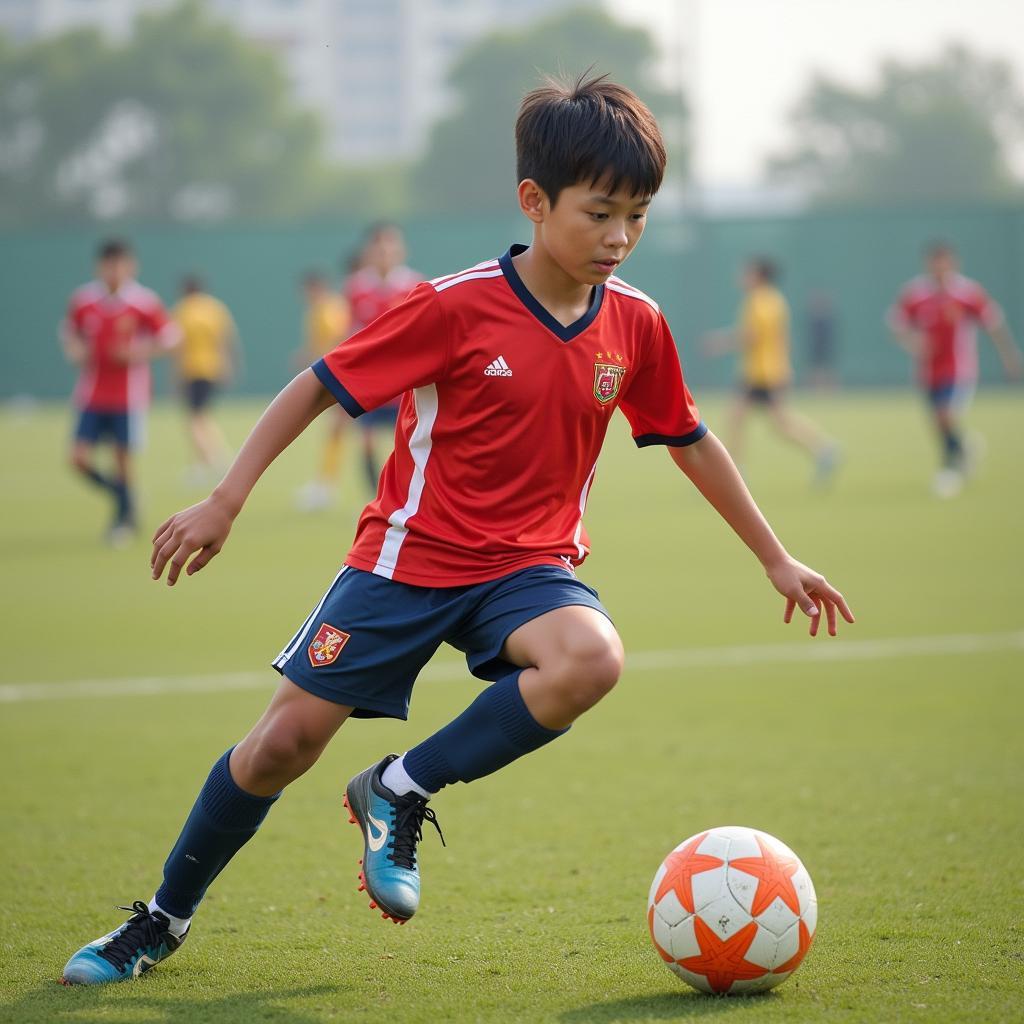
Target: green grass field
{"points": [[893, 765]]}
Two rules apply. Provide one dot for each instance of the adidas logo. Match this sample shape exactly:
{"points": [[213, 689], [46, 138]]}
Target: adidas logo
{"points": [[499, 368]]}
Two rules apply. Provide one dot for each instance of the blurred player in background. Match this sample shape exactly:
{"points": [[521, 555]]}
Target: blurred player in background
{"points": [[113, 328], [934, 320], [207, 358], [822, 340], [328, 319], [381, 283], [762, 339]]}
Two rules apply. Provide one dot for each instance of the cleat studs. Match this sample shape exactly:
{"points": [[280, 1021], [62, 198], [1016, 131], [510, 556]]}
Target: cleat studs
{"points": [[351, 819], [373, 905], [385, 916], [362, 888]]}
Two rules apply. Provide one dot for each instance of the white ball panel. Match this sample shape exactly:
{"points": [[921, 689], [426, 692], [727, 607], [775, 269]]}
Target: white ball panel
{"points": [[742, 843], [778, 918], [661, 931], [804, 889], [810, 917], [707, 886], [714, 844], [670, 908], [724, 916], [742, 886], [789, 943], [763, 949], [683, 939]]}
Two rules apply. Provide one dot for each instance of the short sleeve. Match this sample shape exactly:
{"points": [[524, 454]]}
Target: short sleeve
{"points": [[74, 316], [154, 318], [984, 308], [656, 400], [405, 348], [902, 311]]}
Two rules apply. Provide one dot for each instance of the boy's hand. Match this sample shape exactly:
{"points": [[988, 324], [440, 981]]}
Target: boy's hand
{"points": [[202, 528], [802, 586]]}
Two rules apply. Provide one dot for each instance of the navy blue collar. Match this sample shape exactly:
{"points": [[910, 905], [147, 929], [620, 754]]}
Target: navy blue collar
{"points": [[559, 330]]}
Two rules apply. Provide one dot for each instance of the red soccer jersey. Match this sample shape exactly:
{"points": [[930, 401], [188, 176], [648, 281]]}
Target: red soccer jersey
{"points": [[946, 317], [111, 324], [503, 415], [370, 295]]}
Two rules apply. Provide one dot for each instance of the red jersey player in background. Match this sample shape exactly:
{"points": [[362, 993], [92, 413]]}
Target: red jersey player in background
{"points": [[935, 320], [114, 327], [509, 374], [380, 282]]}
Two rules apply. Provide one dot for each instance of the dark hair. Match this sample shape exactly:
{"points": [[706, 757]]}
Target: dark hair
{"points": [[378, 228], [591, 131], [766, 269], [939, 247], [191, 283], [113, 248]]}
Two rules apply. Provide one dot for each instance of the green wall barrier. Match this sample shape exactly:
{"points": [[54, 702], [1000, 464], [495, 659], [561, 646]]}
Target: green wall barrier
{"points": [[689, 265]]}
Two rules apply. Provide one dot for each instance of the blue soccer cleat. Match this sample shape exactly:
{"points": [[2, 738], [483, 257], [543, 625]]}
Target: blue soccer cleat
{"points": [[392, 826], [139, 944]]}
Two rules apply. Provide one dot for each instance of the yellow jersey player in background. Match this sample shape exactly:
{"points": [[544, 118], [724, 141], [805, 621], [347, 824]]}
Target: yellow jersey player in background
{"points": [[765, 373], [328, 318], [208, 356]]}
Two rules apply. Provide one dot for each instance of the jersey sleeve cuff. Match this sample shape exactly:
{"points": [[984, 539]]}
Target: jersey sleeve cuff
{"points": [[336, 388], [679, 441]]}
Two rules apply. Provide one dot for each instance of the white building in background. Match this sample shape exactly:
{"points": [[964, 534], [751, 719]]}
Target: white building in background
{"points": [[374, 69]]}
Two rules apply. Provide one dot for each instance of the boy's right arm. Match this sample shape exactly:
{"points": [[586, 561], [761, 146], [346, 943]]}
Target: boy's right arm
{"points": [[202, 529]]}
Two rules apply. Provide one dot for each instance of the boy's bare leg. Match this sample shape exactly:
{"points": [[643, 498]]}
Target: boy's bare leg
{"points": [[286, 741]]}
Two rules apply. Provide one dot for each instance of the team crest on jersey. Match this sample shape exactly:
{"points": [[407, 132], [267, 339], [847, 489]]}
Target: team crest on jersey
{"points": [[607, 381], [327, 645]]}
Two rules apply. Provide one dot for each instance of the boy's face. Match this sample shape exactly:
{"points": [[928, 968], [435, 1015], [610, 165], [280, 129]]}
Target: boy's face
{"points": [[941, 264], [386, 251], [115, 271], [590, 230]]}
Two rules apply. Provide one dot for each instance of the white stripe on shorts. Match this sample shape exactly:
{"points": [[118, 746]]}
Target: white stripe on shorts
{"points": [[293, 644]]}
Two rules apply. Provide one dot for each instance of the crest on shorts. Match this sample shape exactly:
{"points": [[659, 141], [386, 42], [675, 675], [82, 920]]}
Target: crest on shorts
{"points": [[326, 645], [607, 381]]}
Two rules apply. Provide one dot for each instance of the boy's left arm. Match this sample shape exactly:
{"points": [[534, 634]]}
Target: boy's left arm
{"points": [[712, 471]]}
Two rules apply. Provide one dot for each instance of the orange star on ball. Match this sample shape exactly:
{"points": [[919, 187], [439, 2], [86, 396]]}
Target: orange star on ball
{"points": [[774, 872], [682, 865]]}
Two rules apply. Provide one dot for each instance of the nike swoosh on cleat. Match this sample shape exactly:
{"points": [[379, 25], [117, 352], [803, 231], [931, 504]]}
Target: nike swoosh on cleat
{"points": [[375, 842]]}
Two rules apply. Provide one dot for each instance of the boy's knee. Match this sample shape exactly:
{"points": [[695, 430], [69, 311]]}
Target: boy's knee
{"points": [[78, 460], [278, 752], [591, 666]]}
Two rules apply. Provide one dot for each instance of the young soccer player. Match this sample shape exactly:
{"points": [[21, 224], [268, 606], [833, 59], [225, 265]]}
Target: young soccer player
{"points": [[113, 328], [510, 372], [328, 318], [380, 283], [206, 357], [934, 320], [762, 338]]}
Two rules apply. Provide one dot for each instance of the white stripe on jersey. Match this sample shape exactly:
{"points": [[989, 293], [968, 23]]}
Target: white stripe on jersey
{"points": [[580, 550], [485, 265], [420, 444], [468, 277], [293, 644], [618, 285]]}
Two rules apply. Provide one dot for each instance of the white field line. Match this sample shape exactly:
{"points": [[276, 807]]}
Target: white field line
{"points": [[807, 651]]}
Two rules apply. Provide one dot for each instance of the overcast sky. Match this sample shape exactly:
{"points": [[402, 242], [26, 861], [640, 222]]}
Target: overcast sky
{"points": [[752, 58]]}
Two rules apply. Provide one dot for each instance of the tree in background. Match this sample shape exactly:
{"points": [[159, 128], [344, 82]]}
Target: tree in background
{"points": [[930, 132], [470, 160], [186, 120]]}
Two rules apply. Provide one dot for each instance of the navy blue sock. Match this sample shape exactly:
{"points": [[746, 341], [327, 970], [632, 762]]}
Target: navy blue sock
{"points": [[96, 477], [495, 730], [953, 447], [123, 498], [222, 820], [371, 469]]}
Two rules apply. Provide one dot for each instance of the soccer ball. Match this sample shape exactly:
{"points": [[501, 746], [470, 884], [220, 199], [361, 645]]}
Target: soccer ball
{"points": [[732, 910]]}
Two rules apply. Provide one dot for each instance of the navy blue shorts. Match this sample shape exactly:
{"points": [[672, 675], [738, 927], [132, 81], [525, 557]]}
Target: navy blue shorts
{"points": [[951, 393], [120, 428], [366, 641]]}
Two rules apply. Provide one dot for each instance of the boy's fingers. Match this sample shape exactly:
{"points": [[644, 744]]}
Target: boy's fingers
{"points": [[161, 529], [830, 612], [815, 621], [200, 560], [787, 616]]}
